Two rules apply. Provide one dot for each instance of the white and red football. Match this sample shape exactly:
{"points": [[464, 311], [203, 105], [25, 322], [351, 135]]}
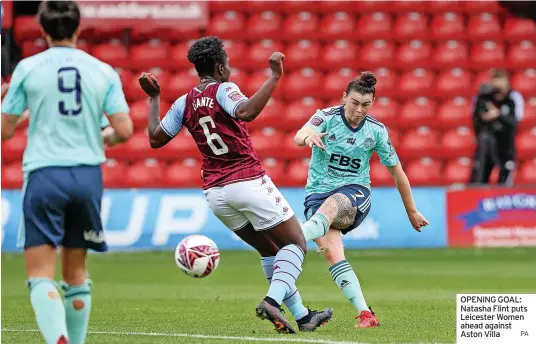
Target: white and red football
{"points": [[197, 256]]}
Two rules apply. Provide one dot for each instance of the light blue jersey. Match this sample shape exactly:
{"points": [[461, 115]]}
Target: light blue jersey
{"points": [[67, 91], [348, 150]]}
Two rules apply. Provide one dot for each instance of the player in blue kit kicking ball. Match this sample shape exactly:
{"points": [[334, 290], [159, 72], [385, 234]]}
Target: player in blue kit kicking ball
{"points": [[338, 187], [66, 91]]}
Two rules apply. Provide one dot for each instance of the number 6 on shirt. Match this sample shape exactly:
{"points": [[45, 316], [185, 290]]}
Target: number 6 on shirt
{"points": [[213, 136]]}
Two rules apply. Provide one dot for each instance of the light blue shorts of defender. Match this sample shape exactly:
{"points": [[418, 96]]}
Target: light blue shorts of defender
{"points": [[61, 206], [357, 194]]}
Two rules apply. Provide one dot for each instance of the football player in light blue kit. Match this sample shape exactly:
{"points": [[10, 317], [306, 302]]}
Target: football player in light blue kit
{"points": [[66, 91], [338, 198]]}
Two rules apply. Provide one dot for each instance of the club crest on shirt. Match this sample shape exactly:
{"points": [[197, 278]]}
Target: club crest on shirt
{"points": [[316, 121], [369, 143]]}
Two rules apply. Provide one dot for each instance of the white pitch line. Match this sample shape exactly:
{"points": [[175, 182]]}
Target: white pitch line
{"points": [[203, 336]]}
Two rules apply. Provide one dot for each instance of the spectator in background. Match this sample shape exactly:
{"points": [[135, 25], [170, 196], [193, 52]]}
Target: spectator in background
{"points": [[497, 110]]}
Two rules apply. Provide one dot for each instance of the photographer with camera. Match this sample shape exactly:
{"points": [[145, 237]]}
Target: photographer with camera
{"points": [[497, 110]]}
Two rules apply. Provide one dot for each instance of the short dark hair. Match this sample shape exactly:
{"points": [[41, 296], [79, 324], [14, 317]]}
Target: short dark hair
{"points": [[59, 19], [500, 73], [206, 53], [363, 84]]}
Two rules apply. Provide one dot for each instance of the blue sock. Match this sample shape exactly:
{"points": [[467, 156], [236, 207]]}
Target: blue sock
{"points": [[294, 301], [316, 227], [77, 309], [48, 308], [346, 279], [287, 268]]}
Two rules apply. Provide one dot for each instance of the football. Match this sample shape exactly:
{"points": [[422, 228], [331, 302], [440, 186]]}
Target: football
{"points": [[197, 256]]}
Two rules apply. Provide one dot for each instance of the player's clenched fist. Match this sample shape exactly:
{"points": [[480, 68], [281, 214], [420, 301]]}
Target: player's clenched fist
{"points": [[149, 84], [315, 140], [418, 220], [276, 63]]}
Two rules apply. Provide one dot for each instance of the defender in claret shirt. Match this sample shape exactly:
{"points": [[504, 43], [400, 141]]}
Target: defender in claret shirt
{"points": [[237, 189], [338, 198]]}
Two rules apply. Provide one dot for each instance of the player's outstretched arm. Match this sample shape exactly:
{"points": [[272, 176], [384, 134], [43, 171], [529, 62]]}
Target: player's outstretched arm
{"points": [[157, 137], [251, 108], [402, 184], [306, 136]]}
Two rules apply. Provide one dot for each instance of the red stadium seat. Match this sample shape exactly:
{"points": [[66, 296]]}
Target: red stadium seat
{"points": [[290, 150], [227, 25], [366, 7], [180, 84], [419, 142], [182, 146], [448, 26], [26, 28], [417, 113], [387, 82], [516, 29], [275, 169], [257, 6], [113, 53], [295, 6], [297, 113], [424, 172], [484, 26], [84, 45], [267, 142], [257, 79], [443, 6], [408, 6], [529, 119], [454, 82], [150, 54], [525, 82], [525, 143], [377, 54], [339, 25], [139, 112], [339, 54], [457, 142], [480, 6], [335, 82], [377, 25], [527, 173], [487, 54], [178, 55], [450, 54], [297, 172], [134, 92], [237, 53], [273, 116], [457, 171], [379, 175], [522, 55], [386, 111], [105, 32], [185, 173], [303, 54], [125, 75], [303, 83], [13, 148], [454, 113], [413, 55], [411, 26], [142, 33], [260, 52], [394, 136], [137, 147], [30, 48], [302, 25], [12, 176], [265, 25], [145, 174], [415, 83], [113, 173]]}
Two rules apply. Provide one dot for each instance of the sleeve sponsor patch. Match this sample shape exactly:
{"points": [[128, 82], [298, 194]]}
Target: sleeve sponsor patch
{"points": [[236, 96], [316, 121]]}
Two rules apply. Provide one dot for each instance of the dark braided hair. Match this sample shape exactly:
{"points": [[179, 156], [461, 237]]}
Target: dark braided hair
{"points": [[363, 84], [59, 19], [205, 54]]}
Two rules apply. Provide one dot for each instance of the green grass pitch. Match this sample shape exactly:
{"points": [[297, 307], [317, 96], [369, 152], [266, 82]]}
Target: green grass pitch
{"points": [[144, 298]]}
